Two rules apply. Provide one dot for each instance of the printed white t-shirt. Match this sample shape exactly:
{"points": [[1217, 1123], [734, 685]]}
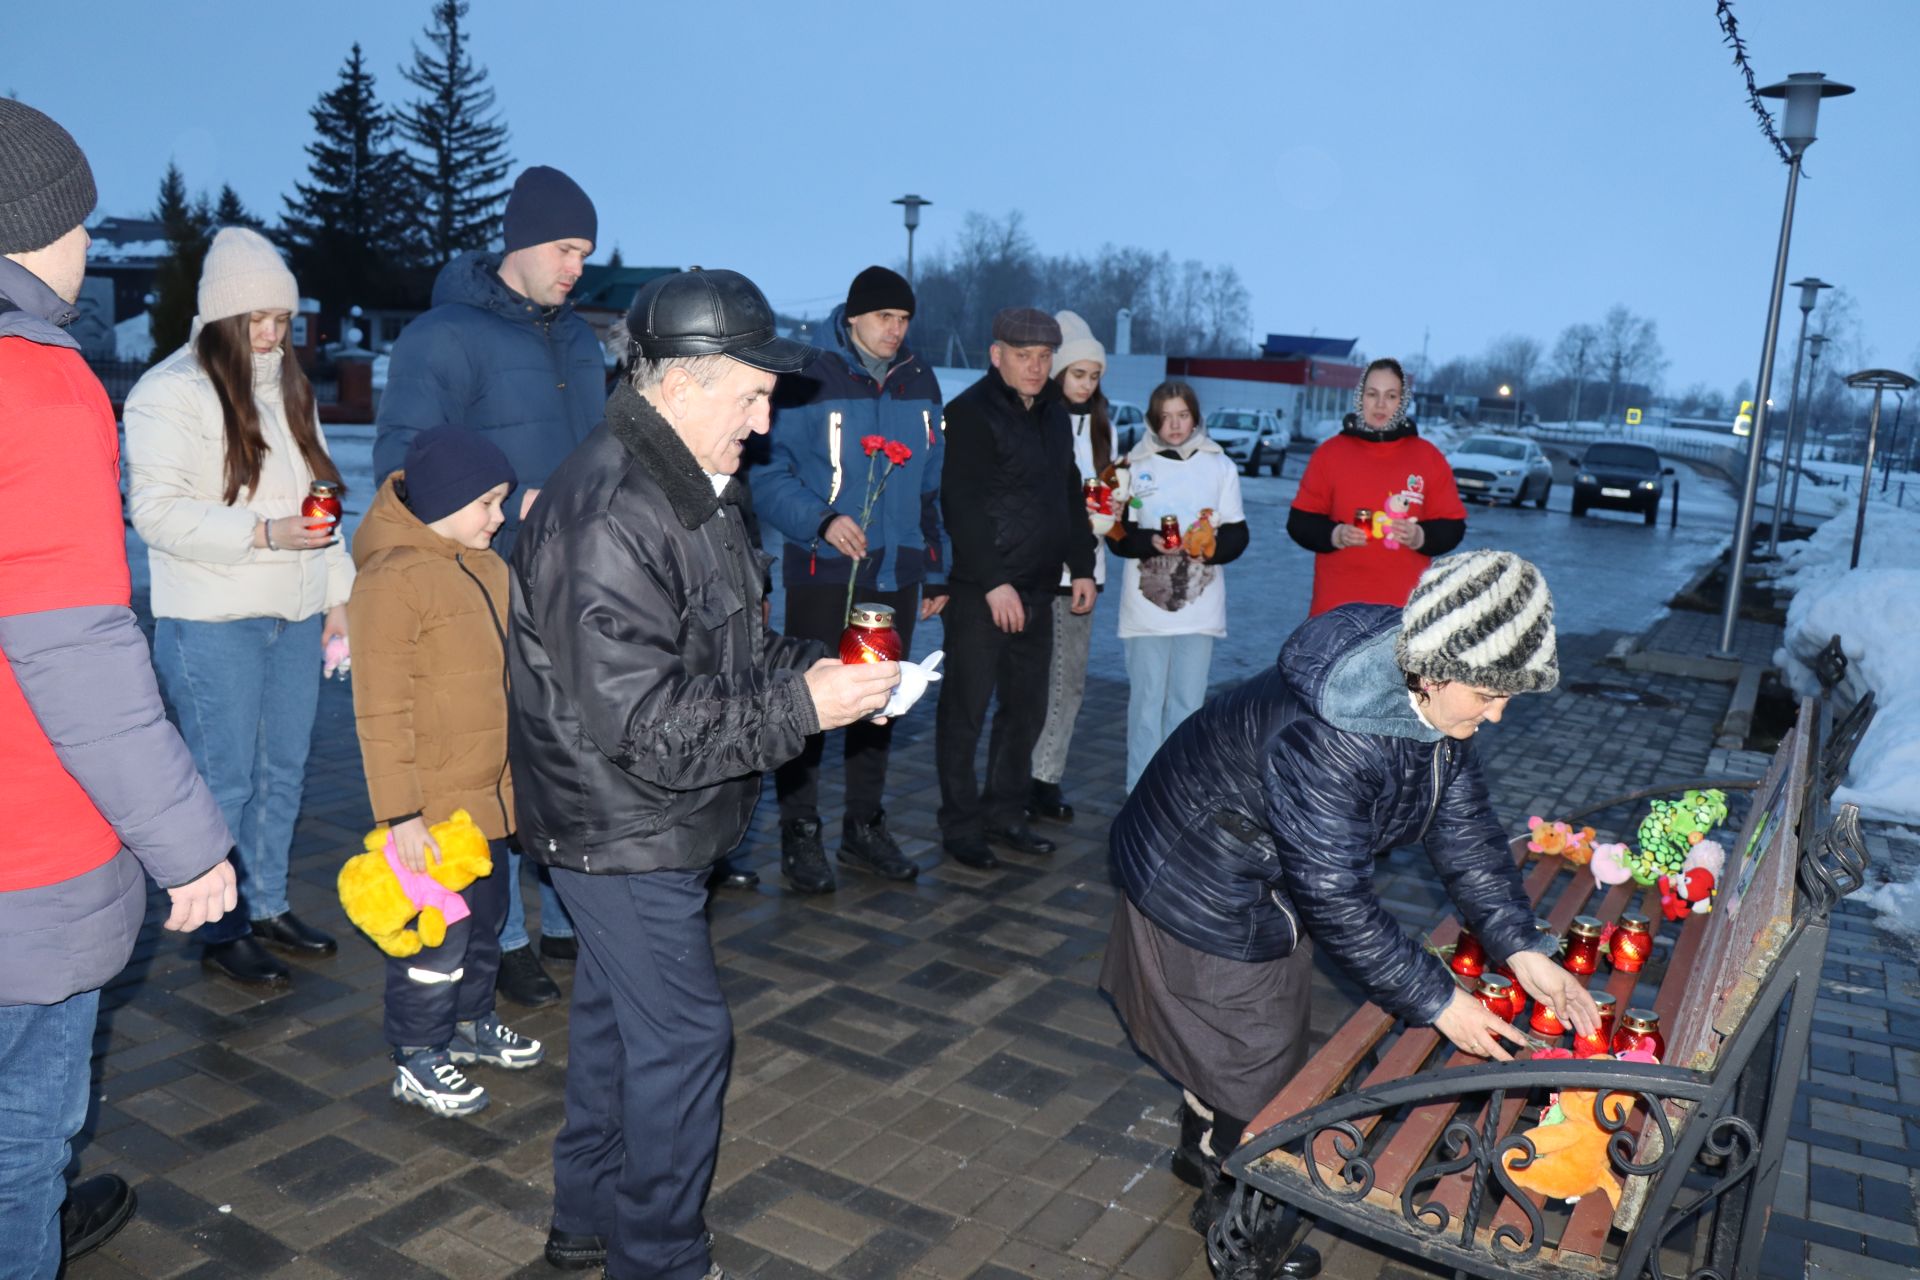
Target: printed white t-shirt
{"points": [[1192, 597]]}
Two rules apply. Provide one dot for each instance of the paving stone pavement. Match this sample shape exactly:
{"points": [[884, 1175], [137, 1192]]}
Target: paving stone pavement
{"points": [[926, 1082]]}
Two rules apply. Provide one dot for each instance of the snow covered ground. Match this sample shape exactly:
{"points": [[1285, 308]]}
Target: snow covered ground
{"points": [[1875, 610]]}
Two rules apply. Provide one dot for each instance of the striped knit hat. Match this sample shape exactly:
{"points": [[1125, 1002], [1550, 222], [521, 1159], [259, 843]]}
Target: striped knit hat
{"points": [[1484, 618]]}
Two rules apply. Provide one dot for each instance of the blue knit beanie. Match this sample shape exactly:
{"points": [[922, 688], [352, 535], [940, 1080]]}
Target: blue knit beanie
{"points": [[448, 467], [546, 205]]}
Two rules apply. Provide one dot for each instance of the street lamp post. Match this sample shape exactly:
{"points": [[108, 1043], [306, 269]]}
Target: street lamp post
{"points": [[1815, 346], [1878, 381], [1506, 392], [1809, 292], [912, 206], [1803, 92]]}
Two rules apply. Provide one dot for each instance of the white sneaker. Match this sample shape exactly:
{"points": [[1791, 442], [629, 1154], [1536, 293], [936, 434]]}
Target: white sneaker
{"points": [[429, 1079], [491, 1041]]}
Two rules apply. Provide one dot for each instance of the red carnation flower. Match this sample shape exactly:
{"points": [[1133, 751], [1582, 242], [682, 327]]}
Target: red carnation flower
{"points": [[898, 453], [873, 444]]}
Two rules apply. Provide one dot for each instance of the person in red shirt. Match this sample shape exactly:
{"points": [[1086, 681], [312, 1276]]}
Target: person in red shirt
{"points": [[97, 791], [1377, 503]]}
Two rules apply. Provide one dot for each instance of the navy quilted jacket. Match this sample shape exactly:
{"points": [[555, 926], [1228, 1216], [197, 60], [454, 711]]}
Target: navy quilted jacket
{"points": [[1262, 814]]}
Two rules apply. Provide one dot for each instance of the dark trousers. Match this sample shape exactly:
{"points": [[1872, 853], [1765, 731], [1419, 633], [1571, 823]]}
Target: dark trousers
{"points": [[429, 991], [983, 660], [819, 613], [649, 1043]]}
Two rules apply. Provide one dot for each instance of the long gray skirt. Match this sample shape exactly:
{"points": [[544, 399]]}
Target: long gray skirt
{"points": [[1230, 1032]]}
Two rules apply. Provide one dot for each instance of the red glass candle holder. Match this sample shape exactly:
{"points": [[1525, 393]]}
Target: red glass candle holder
{"points": [[1363, 520], [870, 636], [1601, 1041], [1469, 957], [1499, 995], [322, 502], [1639, 1029], [1583, 946], [1544, 1021], [1632, 942], [1170, 532]]}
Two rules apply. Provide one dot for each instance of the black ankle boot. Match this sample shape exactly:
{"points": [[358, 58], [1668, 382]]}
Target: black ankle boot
{"points": [[803, 859], [870, 847], [1189, 1161], [1046, 801]]}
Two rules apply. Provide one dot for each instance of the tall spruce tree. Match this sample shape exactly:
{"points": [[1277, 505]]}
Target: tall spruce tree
{"points": [[189, 230], [462, 159], [231, 211], [348, 227]]}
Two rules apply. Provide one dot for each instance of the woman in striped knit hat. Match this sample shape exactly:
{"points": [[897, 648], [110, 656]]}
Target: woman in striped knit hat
{"points": [[1251, 838]]}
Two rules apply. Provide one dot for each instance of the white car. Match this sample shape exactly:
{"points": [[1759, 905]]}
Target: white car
{"points": [[1501, 469], [1252, 438], [1128, 423]]}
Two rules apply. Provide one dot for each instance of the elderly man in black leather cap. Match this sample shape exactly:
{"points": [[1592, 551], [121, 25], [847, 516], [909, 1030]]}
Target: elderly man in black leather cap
{"points": [[648, 698], [1010, 496]]}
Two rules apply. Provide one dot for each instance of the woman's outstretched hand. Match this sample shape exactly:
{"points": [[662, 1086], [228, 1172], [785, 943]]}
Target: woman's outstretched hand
{"points": [[1546, 981], [1475, 1029]]}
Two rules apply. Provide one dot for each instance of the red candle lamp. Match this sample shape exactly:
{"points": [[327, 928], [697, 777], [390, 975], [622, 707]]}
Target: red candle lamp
{"points": [[870, 636], [1601, 1041], [1500, 996], [322, 502], [1583, 946], [1469, 957], [1639, 1029], [1632, 942], [1544, 1021], [1170, 532]]}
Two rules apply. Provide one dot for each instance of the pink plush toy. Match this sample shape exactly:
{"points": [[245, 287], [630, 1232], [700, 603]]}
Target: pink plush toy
{"points": [[1609, 865]]}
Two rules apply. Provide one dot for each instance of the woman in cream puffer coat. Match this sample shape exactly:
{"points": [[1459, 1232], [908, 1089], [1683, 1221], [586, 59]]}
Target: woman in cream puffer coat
{"points": [[222, 444]]}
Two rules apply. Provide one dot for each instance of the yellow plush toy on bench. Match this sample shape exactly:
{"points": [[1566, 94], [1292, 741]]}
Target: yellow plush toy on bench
{"points": [[401, 910]]}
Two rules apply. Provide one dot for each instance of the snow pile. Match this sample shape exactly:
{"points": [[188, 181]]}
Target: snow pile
{"points": [[1892, 541], [1815, 501], [1893, 885], [1875, 610]]}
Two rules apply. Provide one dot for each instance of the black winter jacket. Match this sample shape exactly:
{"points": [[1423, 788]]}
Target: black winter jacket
{"points": [[648, 695], [1263, 813], [1010, 490]]}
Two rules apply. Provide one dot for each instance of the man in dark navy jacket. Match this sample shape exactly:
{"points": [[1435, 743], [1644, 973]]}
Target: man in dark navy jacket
{"points": [[868, 383]]}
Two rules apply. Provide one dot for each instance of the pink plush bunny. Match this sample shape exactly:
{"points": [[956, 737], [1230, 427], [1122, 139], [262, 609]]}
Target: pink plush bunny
{"points": [[1609, 865]]}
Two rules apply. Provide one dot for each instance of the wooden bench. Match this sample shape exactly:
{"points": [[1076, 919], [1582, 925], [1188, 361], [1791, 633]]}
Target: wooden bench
{"points": [[1390, 1133]]}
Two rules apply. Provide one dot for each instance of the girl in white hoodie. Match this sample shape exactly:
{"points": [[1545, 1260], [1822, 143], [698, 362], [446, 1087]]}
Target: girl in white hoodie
{"points": [[222, 447]]}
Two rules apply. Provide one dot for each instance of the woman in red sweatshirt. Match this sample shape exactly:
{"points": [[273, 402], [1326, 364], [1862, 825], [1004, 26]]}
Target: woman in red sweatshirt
{"points": [[1377, 503]]}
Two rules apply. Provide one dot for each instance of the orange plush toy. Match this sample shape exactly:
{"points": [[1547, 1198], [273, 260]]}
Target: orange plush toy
{"points": [[1570, 1157], [1198, 540]]}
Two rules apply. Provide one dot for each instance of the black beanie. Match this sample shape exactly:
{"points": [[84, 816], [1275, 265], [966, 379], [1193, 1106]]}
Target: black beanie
{"points": [[46, 185], [546, 205], [878, 289], [448, 467]]}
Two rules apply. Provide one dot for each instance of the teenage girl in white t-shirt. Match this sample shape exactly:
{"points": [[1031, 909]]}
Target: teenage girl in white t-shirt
{"points": [[1173, 602]]}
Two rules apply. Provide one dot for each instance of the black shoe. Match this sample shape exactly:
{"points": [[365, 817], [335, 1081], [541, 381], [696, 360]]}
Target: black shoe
{"points": [[726, 874], [523, 981], [972, 852], [245, 960], [285, 932], [803, 859], [1189, 1163], [870, 847], [570, 1252], [562, 950], [1021, 839], [1047, 802], [94, 1210]]}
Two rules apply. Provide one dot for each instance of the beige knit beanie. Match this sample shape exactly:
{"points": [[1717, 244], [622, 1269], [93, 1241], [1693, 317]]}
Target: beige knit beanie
{"points": [[245, 273], [1076, 343]]}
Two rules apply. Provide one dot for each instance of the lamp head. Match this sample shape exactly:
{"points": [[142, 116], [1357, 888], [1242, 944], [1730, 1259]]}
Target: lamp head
{"points": [[1802, 91], [1809, 291]]}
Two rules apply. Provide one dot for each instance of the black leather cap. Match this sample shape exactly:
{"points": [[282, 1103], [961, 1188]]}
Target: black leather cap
{"points": [[710, 313]]}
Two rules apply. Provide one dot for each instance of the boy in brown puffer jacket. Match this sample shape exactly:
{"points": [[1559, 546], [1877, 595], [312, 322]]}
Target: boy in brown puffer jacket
{"points": [[428, 618]]}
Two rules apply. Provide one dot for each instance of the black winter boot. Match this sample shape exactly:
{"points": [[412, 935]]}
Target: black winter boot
{"points": [[803, 859], [870, 847], [1046, 801], [1189, 1161]]}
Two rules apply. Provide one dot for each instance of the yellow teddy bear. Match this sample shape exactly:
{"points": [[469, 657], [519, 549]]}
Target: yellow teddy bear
{"points": [[382, 898]]}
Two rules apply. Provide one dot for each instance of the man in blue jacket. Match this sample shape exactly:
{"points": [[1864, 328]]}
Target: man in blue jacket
{"points": [[502, 352], [820, 482]]}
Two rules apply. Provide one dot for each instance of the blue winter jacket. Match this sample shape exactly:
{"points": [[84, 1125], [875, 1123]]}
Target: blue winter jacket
{"points": [[532, 378], [1263, 813], [818, 468]]}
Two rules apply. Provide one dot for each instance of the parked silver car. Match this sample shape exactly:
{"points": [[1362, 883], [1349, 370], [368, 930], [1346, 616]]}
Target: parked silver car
{"points": [[1501, 468], [1253, 438]]}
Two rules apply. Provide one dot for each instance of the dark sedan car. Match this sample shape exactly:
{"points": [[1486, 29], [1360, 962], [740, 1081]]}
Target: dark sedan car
{"points": [[1621, 477]]}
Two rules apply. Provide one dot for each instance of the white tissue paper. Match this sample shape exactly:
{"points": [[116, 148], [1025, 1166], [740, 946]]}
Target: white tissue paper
{"points": [[914, 679]]}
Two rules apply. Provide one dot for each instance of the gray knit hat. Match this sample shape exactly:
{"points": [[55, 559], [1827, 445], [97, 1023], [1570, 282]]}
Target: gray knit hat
{"points": [[1484, 618], [46, 185]]}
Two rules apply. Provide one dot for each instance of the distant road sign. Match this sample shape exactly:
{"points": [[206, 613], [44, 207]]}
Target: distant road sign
{"points": [[1743, 425], [1633, 417]]}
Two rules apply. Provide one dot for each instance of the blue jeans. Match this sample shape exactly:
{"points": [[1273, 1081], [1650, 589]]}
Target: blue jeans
{"points": [[48, 1049], [1167, 682], [245, 693], [554, 920]]}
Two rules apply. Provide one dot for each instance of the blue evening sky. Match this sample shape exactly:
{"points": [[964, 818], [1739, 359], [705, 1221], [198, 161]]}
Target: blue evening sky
{"points": [[1378, 168]]}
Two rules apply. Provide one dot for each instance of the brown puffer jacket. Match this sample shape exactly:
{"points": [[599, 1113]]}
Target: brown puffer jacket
{"points": [[427, 619]]}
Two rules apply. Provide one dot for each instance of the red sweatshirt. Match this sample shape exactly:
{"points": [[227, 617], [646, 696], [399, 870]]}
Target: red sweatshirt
{"points": [[1347, 475]]}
